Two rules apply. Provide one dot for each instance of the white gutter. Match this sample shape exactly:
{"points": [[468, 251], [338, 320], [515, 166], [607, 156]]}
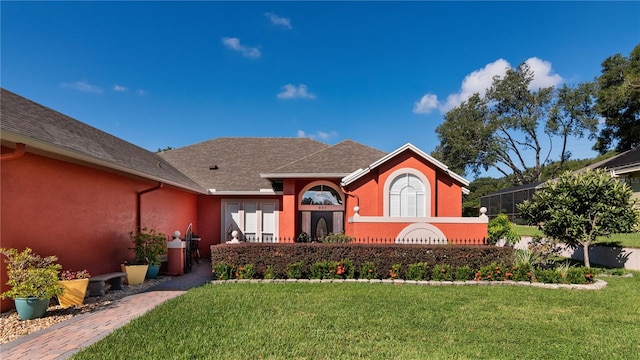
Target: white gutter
{"points": [[302, 175]]}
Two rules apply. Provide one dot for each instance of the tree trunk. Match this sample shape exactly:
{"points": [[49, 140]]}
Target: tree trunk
{"points": [[585, 248]]}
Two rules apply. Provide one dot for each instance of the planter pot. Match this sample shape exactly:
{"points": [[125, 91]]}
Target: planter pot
{"points": [[31, 308], [135, 273], [152, 271], [74, 292]]}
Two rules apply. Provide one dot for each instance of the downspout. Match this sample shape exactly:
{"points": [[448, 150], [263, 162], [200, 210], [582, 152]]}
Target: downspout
{"points": [[436, 194], [138, 211], [17, 153]]}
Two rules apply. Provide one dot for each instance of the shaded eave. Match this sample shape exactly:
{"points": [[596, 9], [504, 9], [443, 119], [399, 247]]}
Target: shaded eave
{"points": [[47, 149], [278, 176], [408, 146]]}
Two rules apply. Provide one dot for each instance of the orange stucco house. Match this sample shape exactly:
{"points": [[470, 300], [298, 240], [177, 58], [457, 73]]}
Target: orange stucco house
{"points": [[71, 190]]}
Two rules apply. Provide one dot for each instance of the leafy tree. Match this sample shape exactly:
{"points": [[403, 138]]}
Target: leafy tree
{"points": [[576, 209], [513, 123], [619, 102]]}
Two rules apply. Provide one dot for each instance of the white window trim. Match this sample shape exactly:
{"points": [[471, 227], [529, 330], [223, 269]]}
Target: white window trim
{"points": [[419, 175], [241, 216]]}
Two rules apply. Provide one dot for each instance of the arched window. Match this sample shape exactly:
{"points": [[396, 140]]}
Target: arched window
{"points": [[321, 195], [407, 196]]}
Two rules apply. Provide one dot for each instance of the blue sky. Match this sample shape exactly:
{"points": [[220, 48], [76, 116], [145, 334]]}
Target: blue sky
{"points": [[163, 74]]}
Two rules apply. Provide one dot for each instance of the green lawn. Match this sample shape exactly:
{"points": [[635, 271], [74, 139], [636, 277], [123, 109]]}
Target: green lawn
{"points": [[625, 240], [384, 321]]}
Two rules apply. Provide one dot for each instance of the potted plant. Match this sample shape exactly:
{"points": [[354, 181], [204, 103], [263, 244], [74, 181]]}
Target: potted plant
{"points": [[33, 280], [149, 245], [75, 285]]}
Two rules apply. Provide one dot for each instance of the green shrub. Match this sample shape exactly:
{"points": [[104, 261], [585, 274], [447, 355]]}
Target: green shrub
{"points": [[394, 272], [442, 272], [417, 271], [464, 273], [368, 270], [500, 228], [348, 269], [492, 272], [548, 276], [579, 275], [223, 271], [294, 270], [245, 272], [337, 238], [319, 270], [270, 272], [521, 272]]}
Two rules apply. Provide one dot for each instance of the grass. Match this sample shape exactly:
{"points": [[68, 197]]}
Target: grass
{"points": [[631, 240], [383, 321]]}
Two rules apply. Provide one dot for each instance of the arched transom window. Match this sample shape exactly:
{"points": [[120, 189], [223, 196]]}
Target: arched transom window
{"points": [[407, 196], [321, 195]]}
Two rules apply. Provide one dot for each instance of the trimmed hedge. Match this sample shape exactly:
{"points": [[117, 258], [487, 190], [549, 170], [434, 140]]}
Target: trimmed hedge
{"points": [[280, 256]]}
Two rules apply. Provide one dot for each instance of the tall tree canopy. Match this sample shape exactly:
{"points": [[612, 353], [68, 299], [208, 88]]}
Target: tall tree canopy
{"points": [[513, 128], [619, 102]]}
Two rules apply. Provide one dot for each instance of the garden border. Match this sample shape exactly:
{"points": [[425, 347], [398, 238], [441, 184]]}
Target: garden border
{"points": [[597, 285]]}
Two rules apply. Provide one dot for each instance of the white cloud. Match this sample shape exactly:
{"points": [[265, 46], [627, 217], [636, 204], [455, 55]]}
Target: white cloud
{"points": [[318, 135], [427, 104], [278, 20], [141, 92], [247, 51], [542, 74], [480, 80], [290, 91], [120, 88], [83, 86]]}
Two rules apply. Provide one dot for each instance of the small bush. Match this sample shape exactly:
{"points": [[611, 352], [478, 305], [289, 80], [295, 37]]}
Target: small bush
{"points": [[548, 276], [394, 272], [500, 228], [368, 270], [270, 272], [337, 238], [417, 271], [348, 268], [579, 275], [521, 272], [319, 270], [294, 270], [223, 271], [245, 272], [442, 273], [492, 272], [464, 273]]}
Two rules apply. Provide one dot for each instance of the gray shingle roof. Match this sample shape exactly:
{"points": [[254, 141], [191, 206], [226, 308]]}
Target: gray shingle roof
{"points": [[62, 135], [239, 161], [342, 158]]}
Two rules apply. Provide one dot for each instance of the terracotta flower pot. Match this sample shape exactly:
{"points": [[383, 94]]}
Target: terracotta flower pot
{"points": [[74, 292]]}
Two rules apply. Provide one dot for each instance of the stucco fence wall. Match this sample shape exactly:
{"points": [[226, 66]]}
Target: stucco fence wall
{"points": [[611, 256]]}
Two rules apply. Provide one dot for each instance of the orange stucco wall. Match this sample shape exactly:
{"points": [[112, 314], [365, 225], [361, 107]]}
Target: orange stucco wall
{"points": [[82, 215], [445, 201]]}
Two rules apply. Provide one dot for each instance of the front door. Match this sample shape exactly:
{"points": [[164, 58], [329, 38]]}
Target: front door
{"points": [[321, 224]]}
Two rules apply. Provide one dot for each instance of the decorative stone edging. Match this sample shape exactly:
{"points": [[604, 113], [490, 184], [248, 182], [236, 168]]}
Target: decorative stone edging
{"points": [[597, 285]]}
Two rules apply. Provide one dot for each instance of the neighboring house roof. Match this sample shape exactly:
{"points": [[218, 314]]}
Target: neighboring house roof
{"points": [[363, 171], [336, 161], [234, 165], [626, 162], [50, 133]]}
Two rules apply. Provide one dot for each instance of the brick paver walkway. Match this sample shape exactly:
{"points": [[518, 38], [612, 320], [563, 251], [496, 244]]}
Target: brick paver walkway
{"points": [[65, 339]]}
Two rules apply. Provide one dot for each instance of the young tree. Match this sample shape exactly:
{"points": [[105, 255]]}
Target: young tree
{"points": [[619, 102], [511, 127], [575, 209]]}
